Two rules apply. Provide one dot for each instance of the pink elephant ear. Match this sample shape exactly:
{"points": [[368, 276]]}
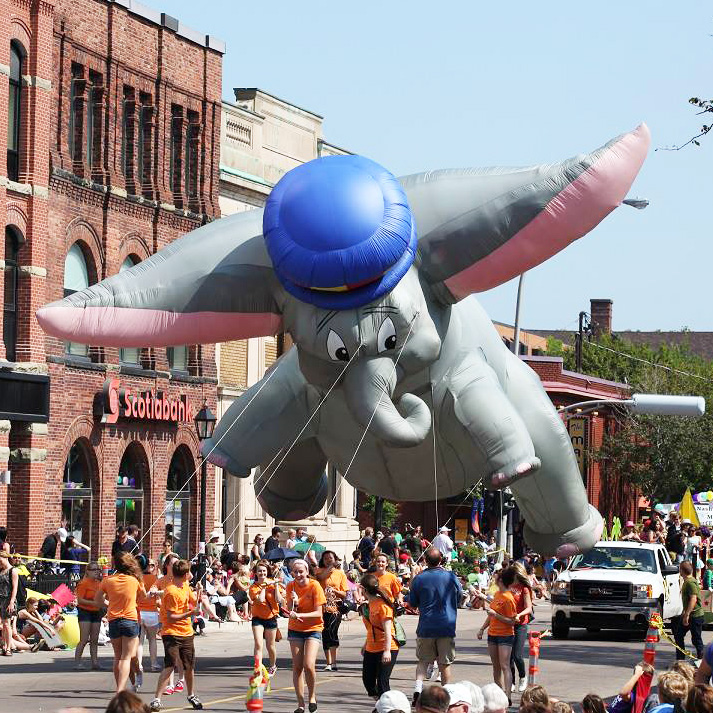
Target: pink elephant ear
{"points": [[479, 228], [214, 284]]}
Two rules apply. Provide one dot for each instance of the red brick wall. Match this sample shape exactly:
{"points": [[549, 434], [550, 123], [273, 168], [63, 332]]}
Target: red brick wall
{"points": [[64, 201]]}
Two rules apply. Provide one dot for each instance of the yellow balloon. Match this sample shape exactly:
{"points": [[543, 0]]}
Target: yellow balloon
{"points": [[710, 495], [69, 633]]}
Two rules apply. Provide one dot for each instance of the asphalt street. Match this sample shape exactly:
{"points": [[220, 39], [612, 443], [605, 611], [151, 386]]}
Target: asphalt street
{"points": [[584, 663]]}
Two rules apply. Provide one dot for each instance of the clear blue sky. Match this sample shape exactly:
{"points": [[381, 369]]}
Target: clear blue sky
{"points": [[420, 85]]}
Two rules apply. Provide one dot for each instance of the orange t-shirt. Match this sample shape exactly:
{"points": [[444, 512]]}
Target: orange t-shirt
{"points": [[504, 604], [122, 591], [267, 609], [177, 600], [379, 612], [87, 589], [148, 603], [390, 584], [337, 580], [518, 593], [309, 598]]}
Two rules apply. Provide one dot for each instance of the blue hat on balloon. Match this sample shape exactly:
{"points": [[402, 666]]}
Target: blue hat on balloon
{"points": [[339, 232]]}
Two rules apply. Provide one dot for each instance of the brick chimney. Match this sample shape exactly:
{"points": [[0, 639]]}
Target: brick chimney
{"points": [[601, 312]]}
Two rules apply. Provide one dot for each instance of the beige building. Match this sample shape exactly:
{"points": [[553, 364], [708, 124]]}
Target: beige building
{"points": [[262, 137]]}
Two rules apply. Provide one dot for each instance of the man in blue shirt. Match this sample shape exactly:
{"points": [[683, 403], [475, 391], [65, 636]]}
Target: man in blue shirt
{"points": [[436, 592]]}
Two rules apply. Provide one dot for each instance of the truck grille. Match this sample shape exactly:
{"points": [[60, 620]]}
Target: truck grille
{"points": [[606, 592]]}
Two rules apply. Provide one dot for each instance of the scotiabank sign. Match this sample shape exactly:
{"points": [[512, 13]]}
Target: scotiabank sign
{"points": [[118, 401]]}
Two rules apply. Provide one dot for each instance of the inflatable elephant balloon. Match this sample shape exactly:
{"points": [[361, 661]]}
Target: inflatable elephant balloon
{"points": [[406, 389]]}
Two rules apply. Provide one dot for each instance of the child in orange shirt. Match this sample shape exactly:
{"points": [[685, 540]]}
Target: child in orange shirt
{"points": [[89, 616], [380, 650], [265, 599], [306, 598], [501, 620], [178, 605]]}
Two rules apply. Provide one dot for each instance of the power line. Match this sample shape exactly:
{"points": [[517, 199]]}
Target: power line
{"points": [[650, 363]]}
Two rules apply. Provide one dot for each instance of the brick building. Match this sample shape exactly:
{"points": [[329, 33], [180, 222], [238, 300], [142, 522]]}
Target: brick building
{"points": [[113, 147]]}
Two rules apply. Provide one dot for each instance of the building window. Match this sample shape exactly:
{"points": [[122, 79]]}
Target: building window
{"points": [[9, 325], [192, 140], [128, 138], [129, 487], [143, 153], [177, 359], [94, 119], [178, 500], [76, 279], [77, 498], [76, 113], [14, 107], [129, 355], [175, 167]]}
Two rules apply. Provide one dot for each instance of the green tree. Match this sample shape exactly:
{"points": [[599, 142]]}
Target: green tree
{"points": [[390, 511], [661, 455]]}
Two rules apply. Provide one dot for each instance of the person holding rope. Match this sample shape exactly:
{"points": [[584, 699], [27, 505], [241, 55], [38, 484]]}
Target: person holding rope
{"points": [[122, 590], [89, 616], [380, 651], [335, 586], [692, 618], [522, 591], [265, 601], [304, 632]]}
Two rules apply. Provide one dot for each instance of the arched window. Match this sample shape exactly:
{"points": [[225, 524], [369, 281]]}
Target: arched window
{"points": [[9, 325], [76, 278], [130, 486], [77, 498], [178, 500], [177, 358], [129, 355], [14, 107]]}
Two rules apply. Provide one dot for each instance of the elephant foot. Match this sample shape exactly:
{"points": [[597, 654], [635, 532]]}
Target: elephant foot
{"points": [[506, 476], [567, 544], [218, 457]]}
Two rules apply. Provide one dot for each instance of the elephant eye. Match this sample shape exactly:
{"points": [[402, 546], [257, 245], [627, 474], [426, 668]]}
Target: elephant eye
{"points": [[335, 347], [386, 339]]}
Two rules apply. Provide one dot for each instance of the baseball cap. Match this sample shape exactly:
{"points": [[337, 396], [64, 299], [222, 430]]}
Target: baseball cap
{"points": [[458, 694], [62, 534], [445, 529], [685, 521], [393, 701]]}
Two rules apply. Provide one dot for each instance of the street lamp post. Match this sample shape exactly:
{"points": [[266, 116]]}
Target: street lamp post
{"points": [[651, 404], [205, 423]]}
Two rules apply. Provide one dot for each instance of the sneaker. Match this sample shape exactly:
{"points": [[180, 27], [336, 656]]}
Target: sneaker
{"points": [[156, 667], [523, 684], [328, 667], [139, 680], [195, 702], [179, 686], [155, 704], [334, 667], [512, 687], [170, 690], [272, 670]]}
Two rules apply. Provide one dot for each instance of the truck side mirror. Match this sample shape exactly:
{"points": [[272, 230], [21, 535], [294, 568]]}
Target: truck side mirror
{"points": [[670, 569]]}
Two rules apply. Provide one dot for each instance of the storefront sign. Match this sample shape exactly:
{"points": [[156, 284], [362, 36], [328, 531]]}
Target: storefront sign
{"points": [[120, 402], [577, 428]]}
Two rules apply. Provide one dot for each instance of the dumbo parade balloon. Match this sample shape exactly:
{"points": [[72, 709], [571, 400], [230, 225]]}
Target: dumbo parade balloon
{"points": [[406, 389]]}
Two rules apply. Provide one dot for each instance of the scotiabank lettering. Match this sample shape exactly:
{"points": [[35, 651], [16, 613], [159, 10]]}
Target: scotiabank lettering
{"points": [[121, 402]]}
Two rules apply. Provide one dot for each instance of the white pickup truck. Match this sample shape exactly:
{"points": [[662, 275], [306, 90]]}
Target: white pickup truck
{"points": [[616, 585]]}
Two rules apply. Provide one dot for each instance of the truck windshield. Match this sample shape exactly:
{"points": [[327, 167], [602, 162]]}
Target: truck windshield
{"points": [[615, 558]]}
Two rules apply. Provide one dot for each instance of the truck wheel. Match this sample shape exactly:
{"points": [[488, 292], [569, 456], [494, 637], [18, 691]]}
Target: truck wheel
{"points": [[560, 631]]}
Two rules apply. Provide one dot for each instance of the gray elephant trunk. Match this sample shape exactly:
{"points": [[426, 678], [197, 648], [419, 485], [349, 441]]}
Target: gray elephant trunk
{"points": [[368, 388]]}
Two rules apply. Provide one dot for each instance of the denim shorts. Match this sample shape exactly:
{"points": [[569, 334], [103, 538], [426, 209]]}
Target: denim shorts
{"points": [[501, 640], [123, 627], [265, 623], [93, 617], [298, 636]]}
